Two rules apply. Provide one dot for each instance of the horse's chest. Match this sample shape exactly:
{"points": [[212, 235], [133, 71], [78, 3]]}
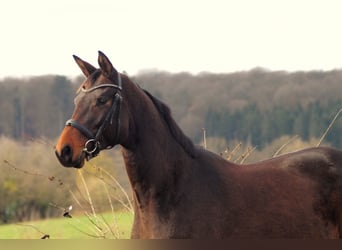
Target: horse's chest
{"points": [[152, 225]]}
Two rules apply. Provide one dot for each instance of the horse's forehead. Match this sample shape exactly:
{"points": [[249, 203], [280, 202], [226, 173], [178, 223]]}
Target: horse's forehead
{"points": [[93, 80]]}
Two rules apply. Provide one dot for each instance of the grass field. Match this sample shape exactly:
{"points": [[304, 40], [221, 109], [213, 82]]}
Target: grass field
{"points": [[77, 227]]}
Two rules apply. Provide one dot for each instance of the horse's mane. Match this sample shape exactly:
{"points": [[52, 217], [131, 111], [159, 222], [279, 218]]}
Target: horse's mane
{"points": [[176, 132]]}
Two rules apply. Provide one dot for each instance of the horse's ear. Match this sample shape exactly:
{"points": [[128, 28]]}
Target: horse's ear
{"points": [[86, 68], [106, 66]]}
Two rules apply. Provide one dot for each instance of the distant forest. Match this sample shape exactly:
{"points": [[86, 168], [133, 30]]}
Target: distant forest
{"points": [[255, 106]]}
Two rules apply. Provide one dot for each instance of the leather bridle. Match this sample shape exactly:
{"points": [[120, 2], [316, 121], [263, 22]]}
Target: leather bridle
{"points": [[92, 145]]}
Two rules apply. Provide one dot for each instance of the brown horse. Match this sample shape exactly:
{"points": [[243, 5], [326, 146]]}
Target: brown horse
{"points": [[184, 191]]}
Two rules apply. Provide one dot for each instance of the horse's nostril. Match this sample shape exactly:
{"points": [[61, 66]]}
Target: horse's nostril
{"points": [[66, 153]]}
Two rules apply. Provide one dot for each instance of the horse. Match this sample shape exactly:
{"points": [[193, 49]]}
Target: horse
{"points": [[181, 190]]}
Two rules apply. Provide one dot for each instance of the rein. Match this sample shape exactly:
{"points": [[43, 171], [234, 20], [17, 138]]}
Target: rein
{"points": [[92, 146]]}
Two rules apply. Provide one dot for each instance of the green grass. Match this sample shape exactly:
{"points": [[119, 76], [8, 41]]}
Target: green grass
{"points": [[77, 227]]}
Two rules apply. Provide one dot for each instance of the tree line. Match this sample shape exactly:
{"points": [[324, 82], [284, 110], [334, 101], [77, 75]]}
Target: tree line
{"points": [[260, 128], [255, 106], [35, 107]]}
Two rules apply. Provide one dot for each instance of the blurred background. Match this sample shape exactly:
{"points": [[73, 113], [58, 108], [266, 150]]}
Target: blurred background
{"points": [[251, 74]]}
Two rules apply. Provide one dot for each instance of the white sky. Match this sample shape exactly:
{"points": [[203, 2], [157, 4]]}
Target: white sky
{"points": [[39, 37]]}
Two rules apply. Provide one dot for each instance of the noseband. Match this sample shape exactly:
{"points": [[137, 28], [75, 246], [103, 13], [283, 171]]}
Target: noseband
{"points": [[92, 146]]}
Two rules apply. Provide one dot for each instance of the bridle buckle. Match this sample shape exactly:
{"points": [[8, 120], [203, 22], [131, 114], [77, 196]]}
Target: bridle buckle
{"points": [[91, 146]]}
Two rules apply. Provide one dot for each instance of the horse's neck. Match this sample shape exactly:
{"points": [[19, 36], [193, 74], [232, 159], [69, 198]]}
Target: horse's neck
{"points": [[152, 162], [153, 158]]}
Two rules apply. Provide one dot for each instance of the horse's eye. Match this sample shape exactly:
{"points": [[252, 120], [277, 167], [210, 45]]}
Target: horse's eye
{"points": [[101, 100]]}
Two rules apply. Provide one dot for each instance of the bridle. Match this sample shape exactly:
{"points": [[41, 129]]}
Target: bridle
{"points": [[92, 145]]}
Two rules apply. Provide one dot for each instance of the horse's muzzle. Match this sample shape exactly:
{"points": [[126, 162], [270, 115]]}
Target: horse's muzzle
{"points": [[65, 157]]}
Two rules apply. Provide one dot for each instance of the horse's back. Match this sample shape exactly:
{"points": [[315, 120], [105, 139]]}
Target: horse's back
{"points": [[297, 195]]}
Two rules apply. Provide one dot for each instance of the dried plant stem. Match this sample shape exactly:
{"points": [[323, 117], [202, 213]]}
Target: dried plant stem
{"points": [[204, 138], [45, 236], [88, 234], [329, 127], [23, 171], [75, 199], [93, 218], [284, 145], [116, 234], [50, 178], [123, 191], [233, 152], [95, 223], [87, 193], [107, 193], [246, 154]]}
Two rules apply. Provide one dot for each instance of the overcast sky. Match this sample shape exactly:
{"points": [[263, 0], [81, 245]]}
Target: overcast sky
{"points": [[39, 37]]}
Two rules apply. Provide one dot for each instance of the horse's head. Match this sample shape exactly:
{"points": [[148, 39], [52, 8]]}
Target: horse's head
{"points": [[97, 120]]}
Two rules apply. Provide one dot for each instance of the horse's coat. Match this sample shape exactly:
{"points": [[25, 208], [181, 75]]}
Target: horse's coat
{"points": [[184, 191]]}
